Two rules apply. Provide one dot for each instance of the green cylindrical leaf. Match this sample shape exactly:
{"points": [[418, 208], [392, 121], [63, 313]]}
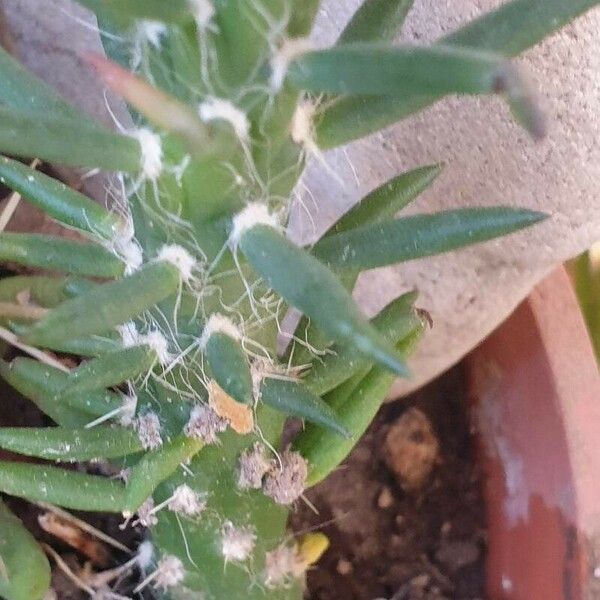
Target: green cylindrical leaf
{"points": [[312, 288], [23, 91], [42, 383], [107, 306], [58, 254], [388, 199], [24, 568], [395, 322], [376, 21], [66, 141], [295, 400], [61, 444], [93, 345], [356, 402], [421, 235], [65, 205], [38, 389], [398, 71], [78, 491], [508, 30], [229, 366], [108, 370], [156, 466]]}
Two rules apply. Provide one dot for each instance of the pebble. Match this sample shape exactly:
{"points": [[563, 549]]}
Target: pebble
{"points": [[411, 449], [385, 499], [344, 567]]}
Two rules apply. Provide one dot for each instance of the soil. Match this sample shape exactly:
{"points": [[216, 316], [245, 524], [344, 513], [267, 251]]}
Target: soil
{"points": [[392, 540], [404, 514]]}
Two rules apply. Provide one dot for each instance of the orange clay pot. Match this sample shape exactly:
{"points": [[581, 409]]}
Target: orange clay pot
{"points": [[535, 392]]}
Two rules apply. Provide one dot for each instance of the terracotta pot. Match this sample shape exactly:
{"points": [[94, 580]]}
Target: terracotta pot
{"points": [[535, 391]]}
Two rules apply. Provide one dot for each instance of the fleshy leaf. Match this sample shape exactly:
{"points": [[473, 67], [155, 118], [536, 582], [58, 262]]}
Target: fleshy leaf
{"points": [[43, 483], [311, 287], [65, 205], [229, 366], [104, 307], [510, 29], [25, 572], [61, 444], [376, 21], [59, 254], [110, 369], [156, 466], [62, 140], [396, 321], [357, 402], [420, 235], [296, 400], [42, 383]]}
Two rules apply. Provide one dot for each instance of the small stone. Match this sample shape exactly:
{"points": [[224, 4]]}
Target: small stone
{"points": [[420, 582], [344, 567], [411, 449], [385, 499], [457, 554]]}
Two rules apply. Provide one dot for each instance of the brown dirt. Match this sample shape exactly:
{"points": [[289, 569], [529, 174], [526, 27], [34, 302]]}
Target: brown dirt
{"points": [[387, 542]]}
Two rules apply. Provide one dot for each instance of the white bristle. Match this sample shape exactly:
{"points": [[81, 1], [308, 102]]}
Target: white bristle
{"points": [[151, 31], [169, 572], [130, 252], [151, 152], [223, 110], [255, 213], [178, 257], [129, 334], [186, 501], [159, 344], [218, 323], [283, 56], [203, 12], [145, 554]]}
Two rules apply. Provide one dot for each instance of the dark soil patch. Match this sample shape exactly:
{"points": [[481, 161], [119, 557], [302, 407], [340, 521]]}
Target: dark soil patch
{"points": [[393, 544]]}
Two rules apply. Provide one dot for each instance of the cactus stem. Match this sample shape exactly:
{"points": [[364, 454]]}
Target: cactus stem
{"points": [[283, 55]]}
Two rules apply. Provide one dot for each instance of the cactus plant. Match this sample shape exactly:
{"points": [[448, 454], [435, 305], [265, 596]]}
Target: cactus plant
{"points": [[172, 299]]}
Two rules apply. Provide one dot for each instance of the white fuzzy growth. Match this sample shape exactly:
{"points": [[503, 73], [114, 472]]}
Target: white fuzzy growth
{"points": [[282, 564], [186, 501], [169, 572], [302, 127], [255, 213], [144, 555], [151, 31], [203, 12], [151, 152], [129, 334], [154, 339], [204, 424], [223, 110], [180, 258], [130, 252], [128, 409], [281, 58], [148, 429], [159, 344], [218, 323], [237, 543]]}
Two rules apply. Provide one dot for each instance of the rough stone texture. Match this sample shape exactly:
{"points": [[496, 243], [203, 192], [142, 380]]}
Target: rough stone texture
{"points": [[489, 161]]}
